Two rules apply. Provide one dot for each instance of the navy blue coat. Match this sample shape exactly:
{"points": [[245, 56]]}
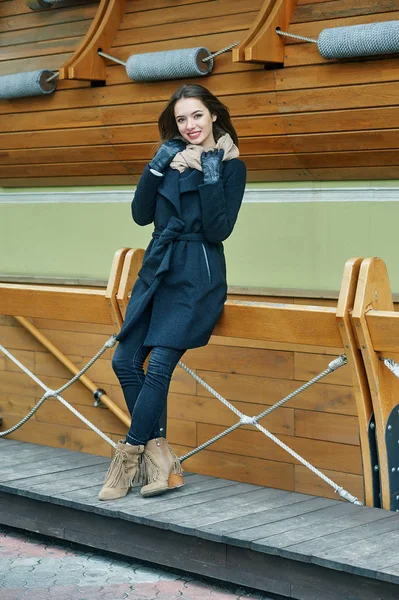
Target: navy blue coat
{"points": [[184, 270]]}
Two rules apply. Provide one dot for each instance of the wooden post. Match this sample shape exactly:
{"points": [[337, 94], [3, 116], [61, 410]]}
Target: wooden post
{"points": [[374, 294], [360, 384]]}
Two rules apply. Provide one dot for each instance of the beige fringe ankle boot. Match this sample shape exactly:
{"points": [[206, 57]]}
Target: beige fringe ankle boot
{"points": [[161, 468], [123, 472]]}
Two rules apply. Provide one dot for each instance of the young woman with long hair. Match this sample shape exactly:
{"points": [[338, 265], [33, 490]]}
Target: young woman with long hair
{"points": [[192, 191]]}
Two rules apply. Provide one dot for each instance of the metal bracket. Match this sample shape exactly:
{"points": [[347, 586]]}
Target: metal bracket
{"points": [[97, 398], [392, 445], [375, 469]]}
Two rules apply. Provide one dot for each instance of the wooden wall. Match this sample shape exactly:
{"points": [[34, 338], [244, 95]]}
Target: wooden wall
{"points": [[311, 120], [321, 424]]}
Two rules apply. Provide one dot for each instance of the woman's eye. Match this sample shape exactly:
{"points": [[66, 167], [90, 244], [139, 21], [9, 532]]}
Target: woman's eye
{"points": [[199, 115]]}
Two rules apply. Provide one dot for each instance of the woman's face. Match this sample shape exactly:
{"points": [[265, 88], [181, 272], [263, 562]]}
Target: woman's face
{"points": [[194, 122]]}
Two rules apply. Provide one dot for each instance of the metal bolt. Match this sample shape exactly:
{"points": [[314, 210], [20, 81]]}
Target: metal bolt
{"points": [[376, 468], [364, 347], [346, 346], [357, 324], [341, 324], [389, 427]]}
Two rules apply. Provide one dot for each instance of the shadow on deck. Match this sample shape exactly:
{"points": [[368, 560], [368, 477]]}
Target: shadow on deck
{"points": [[286, 543]]}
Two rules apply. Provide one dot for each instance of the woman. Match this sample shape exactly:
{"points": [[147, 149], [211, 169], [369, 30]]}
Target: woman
{"points": [[192, 190]]}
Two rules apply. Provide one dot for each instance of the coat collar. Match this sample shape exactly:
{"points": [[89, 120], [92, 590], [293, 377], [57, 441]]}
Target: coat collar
{"points": [[173, 185]]}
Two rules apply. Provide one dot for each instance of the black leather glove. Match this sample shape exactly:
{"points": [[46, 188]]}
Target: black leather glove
{"points": [[212, 165], [165, 154]]}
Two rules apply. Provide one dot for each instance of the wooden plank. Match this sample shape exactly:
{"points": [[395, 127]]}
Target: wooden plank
{"points": [[239, 468], [335, 98], [65, 437], [313, 527], [368, 552], [252, 361], [337, 74], [204, 410], [326, 398], [26, 357], [69, 304], [153, 16], [264, 537], [40, 34], [242, 529], [183, 29], [307, 483], [308, 366], [383, 329], [72, 326], [22, 65], [240, 503], [341, 8], [286, 323], [341, 429], [40, 49], [57, 463], [378, 523], [322, 454], [48, 17]]}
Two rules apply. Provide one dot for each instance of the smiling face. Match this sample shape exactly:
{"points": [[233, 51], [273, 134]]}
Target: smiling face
{"points": [[194, 122]]}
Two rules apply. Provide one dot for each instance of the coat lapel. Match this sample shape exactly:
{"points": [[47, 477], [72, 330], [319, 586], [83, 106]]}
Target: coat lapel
{"points": [[173, 185], [169, 188]]}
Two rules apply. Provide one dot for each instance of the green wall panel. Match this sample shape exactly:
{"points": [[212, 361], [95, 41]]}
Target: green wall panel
{"points": [[279, 245]]}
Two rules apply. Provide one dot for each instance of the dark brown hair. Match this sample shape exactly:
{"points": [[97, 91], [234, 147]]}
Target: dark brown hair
{"points": [[167, 124]]}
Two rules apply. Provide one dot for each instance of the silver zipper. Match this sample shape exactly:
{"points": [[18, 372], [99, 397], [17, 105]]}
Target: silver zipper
{"points": [[207, 262]]}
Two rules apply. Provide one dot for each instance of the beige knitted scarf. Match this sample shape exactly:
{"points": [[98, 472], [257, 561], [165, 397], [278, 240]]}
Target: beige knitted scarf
{"points": [[190, 157]]}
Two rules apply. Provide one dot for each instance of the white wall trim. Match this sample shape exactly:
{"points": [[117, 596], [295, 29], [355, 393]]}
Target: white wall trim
{"points": [[265, 195]]}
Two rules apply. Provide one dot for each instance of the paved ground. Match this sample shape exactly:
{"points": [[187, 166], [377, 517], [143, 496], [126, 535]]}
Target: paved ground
{"points": [[38, 568]]}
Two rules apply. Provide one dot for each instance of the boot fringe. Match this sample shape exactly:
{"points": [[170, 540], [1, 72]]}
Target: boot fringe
{"points": [[117, 473], [150, 471], [176, 466]]}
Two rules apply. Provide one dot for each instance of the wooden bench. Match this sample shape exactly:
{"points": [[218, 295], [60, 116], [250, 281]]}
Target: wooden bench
{"points": [[307, 326]]}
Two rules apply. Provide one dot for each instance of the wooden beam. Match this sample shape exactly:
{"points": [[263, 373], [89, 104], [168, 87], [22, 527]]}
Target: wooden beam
{"points": [[290, 323], [359, 378], [85, 305], [374, 293]]}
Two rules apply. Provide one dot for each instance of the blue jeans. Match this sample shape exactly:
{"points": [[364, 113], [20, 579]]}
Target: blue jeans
{"points": [[145, 393]]}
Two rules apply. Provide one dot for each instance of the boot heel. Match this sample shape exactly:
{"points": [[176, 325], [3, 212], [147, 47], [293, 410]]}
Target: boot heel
{"points": [[175, 481]]}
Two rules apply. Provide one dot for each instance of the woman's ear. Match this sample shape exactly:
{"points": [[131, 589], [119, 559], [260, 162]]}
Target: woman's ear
{"points": [[214, 117]]}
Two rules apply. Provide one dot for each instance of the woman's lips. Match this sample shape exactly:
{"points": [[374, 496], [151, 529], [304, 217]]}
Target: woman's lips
{"points": [[194, 135]]}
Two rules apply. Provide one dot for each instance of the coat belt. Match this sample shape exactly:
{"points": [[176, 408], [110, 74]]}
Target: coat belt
{"points": [[157, 261]]}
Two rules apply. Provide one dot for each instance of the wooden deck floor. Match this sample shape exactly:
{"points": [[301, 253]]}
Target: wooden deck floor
{"points": [[286, 543]]}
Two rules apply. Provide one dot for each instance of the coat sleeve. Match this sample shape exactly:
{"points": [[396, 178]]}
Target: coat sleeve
{"points": [[221, 201], [144, 201]]}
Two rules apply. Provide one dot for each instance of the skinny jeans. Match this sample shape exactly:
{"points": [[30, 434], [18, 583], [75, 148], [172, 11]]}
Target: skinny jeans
{"points": [[145, 393]]}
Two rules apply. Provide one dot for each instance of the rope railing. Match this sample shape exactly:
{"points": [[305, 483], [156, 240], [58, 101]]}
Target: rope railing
{"points": [[243, 419], [49, 393]]}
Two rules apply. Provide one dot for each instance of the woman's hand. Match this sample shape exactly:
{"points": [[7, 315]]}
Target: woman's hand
{"points": [[212, 165], [165, 154]]}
